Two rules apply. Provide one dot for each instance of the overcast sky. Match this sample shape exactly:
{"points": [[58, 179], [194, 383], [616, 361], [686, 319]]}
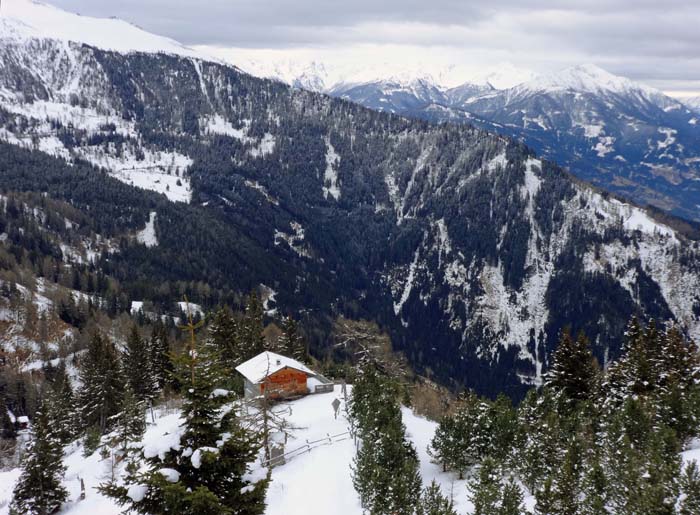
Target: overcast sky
{"points": [[654, 41]]}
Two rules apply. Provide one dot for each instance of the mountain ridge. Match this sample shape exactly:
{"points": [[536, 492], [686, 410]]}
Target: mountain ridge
{"points": [[613, 132]]}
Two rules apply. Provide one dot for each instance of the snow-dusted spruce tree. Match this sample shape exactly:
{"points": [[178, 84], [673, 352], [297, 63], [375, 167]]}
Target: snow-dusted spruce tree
{"points": [[252, 340], [130, 421], [561, 495], [690, 490], [574, 370], [102, 384], [594, 484], [492, 493], [212, 471], [678, 377], [442, 446], [485, 489], [660, 368], [478, 428], [433, 502], [641, 461], [161, 362], [65, 417], [224, 335], [539, 448], [511, 499], [39, 490], [502, 430], [138, 366], [291, 342], [385, 470]]}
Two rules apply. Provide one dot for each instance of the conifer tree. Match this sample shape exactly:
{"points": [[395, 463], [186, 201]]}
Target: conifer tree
{"points": [[486, 489], [63, 405], [211, 470], [677, 391], [539, 448], [574, 370], [641, 359], [472, 431], [594, 486], [252, 338], [566, 482], [130, 421], [102, 383], [224, 336], [690, 490], [291, 342], [138, 368], [433, 502], [385, 470], [503, 430], [511, 499], [442, 446], [545, 499], [39, 490], [160, 359]]}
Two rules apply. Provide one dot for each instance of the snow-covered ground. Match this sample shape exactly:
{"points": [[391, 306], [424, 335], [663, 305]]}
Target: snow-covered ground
{"points": [[314, 481], [318, 481]]}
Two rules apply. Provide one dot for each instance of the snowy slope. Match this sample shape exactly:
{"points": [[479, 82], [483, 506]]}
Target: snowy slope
{"points": [[317, 481], [314, 481], [42, 44], [33, 19]]}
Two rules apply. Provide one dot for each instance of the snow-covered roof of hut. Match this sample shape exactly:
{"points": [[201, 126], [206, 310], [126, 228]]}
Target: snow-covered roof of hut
{"points": [[267, 363]]}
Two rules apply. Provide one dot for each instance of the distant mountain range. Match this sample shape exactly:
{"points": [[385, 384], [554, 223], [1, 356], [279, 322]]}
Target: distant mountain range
{"points": [[620, 135]]}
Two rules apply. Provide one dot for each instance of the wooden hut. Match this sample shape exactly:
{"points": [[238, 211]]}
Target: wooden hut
{"points": [[278, 377]]}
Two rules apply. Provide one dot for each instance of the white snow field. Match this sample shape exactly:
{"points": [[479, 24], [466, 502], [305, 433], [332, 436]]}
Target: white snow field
{"points": [[31, 18]]}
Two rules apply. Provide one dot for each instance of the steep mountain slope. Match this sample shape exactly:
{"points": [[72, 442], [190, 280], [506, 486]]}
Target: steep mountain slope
{"points": [[469, 249], [622, 136]]}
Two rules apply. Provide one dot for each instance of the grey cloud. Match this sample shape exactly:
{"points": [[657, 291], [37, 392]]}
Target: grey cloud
{"points": [[647, 39]]}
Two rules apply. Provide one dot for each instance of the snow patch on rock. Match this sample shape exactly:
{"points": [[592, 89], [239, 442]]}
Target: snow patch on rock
{"points": [[147, 236], [330, 176]]}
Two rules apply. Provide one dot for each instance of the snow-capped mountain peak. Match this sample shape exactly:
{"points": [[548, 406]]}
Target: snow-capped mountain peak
{"points": [[24, 19], [585, 78]]}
